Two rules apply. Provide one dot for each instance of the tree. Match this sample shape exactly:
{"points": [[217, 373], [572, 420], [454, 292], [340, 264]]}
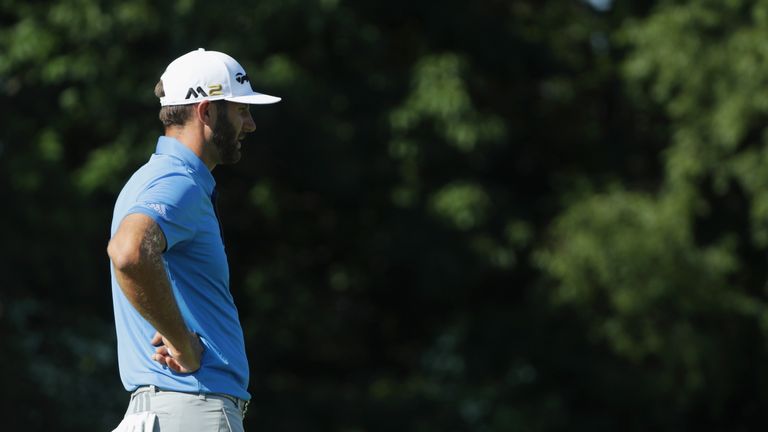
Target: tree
{"points": [[672, 278], [483, 216]]}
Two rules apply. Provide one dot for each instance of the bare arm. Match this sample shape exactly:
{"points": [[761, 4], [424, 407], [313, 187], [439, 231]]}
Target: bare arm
{"points": [[136, 253]]}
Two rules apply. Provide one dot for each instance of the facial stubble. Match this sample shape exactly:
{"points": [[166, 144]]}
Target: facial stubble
{"points": [[225, 138]]}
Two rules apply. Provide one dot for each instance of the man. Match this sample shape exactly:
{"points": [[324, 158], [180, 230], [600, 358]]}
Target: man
{"points": [[180, 344]]}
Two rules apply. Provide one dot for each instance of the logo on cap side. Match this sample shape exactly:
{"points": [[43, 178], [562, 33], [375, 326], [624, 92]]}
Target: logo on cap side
{"points": [[241, 78], [196, 94], [214, 90]]}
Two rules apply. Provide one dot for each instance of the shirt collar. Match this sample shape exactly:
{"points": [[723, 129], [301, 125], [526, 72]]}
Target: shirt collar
{"points": [[173, 147]]}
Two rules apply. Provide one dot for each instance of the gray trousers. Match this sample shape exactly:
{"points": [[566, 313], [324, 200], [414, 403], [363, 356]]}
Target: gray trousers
{"points": [[188, 412]]}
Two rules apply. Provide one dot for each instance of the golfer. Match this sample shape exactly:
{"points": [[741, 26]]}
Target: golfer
{"points": [[180, 344]]}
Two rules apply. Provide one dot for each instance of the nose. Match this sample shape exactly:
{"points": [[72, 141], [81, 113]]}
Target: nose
{"points": [[248, 124]]}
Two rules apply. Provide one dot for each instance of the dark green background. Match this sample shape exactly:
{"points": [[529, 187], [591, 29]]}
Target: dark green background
{"points": [[492, 215]]}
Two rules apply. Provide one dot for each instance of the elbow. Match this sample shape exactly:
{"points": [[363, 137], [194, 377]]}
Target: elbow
{"points": [[123, 255]]}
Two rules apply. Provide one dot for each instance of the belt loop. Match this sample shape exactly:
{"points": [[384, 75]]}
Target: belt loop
{"points": [[153, 389], [201, 396]]}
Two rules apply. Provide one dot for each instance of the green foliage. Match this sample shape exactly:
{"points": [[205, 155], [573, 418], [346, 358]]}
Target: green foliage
{"points": [[704, 63], [440, 94], [464, 205], [420, 235], [631, 266]]}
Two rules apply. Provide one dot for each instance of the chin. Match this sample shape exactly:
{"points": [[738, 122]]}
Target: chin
{"points": [[232, 158]]}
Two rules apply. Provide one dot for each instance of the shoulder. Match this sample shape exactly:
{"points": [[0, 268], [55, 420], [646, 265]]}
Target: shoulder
{"points": [[163, 189], [173, 199], [170, 177]]}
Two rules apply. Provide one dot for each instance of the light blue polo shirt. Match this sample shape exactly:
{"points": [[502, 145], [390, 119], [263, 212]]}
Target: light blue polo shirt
{"points": [[174, 188]]}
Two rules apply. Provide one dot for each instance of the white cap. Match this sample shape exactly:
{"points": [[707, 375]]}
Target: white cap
{"points": [[208, 75]]}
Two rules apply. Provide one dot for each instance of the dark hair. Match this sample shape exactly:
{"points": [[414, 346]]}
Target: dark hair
{"points": [[173, 115], [177, 115]]}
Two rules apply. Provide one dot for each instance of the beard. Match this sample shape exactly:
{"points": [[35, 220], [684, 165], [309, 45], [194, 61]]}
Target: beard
{"points": [[225, 139]]}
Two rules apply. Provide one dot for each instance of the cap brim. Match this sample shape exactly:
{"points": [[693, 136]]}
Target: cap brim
{"points": [[255, 99]]}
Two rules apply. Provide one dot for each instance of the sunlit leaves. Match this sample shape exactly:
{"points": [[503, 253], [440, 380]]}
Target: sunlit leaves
{"points": [[440, 95], [630, 263], [463, 205]]}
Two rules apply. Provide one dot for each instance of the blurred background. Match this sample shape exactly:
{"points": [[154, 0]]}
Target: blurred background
{"points": [[496, 215]]}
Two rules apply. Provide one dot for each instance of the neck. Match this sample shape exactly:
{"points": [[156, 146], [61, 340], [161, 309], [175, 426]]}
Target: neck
{"points": [[193, 138]]}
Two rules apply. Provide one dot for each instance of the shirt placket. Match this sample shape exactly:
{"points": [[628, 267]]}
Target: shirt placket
{"points": [[215, 202]]}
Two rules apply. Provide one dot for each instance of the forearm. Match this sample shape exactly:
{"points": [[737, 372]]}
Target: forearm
{"points": [[136, 254], [147, 288]]}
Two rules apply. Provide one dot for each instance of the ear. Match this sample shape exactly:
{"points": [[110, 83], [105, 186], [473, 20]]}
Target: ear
{"points": [[204, 113]]}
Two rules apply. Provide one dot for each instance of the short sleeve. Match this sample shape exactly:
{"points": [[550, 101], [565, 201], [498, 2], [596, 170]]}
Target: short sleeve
{"points": [[173, 202]]}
